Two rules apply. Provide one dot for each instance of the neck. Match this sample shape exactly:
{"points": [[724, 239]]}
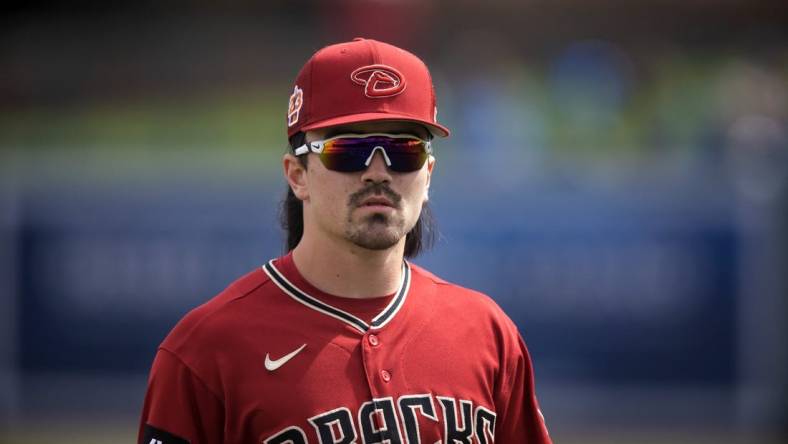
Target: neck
{"points": [[349, 271]]}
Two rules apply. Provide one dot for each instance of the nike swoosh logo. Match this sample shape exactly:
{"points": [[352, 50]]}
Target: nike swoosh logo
{"points": [[271, 364]]}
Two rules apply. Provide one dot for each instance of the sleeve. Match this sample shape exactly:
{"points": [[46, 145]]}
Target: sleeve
{"points": [[519, 418], [179, 408]]}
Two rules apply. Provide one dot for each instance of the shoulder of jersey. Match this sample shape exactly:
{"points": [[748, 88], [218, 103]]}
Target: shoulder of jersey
{"points": [[456, 296], [460, 305], [209, 317]]}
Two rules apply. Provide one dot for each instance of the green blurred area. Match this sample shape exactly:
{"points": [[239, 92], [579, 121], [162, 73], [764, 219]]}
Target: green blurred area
{"points": [[226, 132], [195, 122], [669, 106]]}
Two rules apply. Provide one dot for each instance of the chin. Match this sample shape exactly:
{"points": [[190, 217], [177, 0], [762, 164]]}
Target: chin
{"points": [[377, 238]]}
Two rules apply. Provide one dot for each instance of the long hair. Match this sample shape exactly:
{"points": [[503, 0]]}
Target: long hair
{"points": [[291, 218]]}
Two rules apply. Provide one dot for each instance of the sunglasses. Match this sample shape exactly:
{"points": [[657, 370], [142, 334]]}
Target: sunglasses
{"points": [[347, 153]]}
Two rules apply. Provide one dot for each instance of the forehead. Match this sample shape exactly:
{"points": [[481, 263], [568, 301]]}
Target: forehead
{"points": [[383, 126]]}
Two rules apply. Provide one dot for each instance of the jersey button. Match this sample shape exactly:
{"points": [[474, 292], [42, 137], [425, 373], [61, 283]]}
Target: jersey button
{"points": [[373, 340], [385, 375]]}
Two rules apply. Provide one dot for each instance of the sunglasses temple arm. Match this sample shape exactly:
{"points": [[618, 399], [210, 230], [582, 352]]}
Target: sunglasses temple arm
{"points": [[316, 147], [303, 149]]}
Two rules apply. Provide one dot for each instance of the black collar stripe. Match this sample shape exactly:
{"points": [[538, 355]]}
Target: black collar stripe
{"points": [[397, 302], [378, 321], [293, 291]]}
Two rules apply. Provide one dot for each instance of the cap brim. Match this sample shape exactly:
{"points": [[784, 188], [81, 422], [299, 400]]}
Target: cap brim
{"points": [[434, 128]]}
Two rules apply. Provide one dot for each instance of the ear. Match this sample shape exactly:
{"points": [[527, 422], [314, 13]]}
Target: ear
{"points": [[430, 166], [295, 174]]}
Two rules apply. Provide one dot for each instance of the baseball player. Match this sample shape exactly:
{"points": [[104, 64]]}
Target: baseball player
{"points": [[342, 340]]}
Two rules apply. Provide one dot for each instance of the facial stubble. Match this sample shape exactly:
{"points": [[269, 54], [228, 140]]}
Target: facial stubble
{"points": [[376, 231]]}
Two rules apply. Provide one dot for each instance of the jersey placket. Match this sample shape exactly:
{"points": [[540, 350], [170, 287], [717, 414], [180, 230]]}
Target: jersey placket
{"points": [[377, 416], [373, 354]]}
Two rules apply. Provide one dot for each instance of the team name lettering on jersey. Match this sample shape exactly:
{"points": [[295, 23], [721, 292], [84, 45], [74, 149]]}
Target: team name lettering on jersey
{"points": [[378, 421]]}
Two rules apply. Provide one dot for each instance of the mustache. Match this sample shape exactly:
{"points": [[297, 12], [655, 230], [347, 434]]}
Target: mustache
{"points": [[375, 189]]}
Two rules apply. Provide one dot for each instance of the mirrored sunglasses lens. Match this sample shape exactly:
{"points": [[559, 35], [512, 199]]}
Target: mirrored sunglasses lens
{"points": [[345, 155], [407, 161], [406, 155], [343, 162], [350, 154]]}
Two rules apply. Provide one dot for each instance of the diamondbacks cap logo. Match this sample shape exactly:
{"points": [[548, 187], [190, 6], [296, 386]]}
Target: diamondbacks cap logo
{"points": [[294, 107], [379, 81]]}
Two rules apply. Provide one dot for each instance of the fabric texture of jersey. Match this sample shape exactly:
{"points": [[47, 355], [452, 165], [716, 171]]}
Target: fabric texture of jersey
{"points": [[271, 360]]}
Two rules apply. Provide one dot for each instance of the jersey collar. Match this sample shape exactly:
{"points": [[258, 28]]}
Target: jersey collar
{"points": [[379, 321]]}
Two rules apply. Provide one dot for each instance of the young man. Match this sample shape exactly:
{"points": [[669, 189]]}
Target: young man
{"points": [[342, 340]]}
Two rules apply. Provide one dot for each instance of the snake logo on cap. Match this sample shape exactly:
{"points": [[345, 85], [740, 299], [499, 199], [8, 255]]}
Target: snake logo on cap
{"points": [[379, 81]]}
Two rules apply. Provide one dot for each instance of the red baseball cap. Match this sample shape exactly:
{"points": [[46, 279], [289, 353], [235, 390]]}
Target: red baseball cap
{"points": [[362, 81]]}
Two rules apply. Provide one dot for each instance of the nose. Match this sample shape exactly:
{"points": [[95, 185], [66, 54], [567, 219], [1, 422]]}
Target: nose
{"points": [[377, 171]]}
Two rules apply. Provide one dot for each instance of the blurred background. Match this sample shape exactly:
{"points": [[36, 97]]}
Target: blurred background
{"points": [[617, 179]]}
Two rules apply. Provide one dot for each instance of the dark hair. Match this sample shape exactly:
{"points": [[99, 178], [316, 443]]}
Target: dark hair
{"points": [[291, 217]]}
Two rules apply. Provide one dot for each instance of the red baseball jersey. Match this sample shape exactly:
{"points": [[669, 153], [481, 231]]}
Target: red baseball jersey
{"points": [[273, 360]]}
